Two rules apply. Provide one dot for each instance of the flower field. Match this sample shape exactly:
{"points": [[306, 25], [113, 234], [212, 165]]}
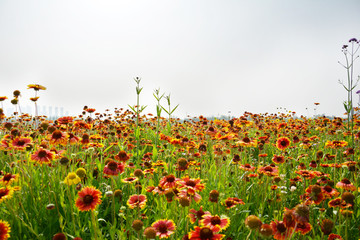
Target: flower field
{"points": [[123, 174]]}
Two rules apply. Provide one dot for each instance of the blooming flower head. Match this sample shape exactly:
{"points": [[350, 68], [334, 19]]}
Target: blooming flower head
{"points": [[20, 143], [6, 193], [204, 233], [215, 223], [280, 231], [232, 202], [283, 143], [278, 159], [72, 179], [197, 215], [137, 201], [58, 137], [88, 199], [114, 168], [346, 185], [164, 228], [169, 181], [194, 184], [268, 170], [122, 156], [42, 156], [4, 230], [9, 178], [36, 87]]}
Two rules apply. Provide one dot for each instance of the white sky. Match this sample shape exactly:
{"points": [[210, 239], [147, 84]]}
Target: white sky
{"points": [[212, 56]]}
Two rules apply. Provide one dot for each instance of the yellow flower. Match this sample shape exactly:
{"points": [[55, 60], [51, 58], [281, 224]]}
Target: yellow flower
{"points": [[72, 179], [6, 193]]}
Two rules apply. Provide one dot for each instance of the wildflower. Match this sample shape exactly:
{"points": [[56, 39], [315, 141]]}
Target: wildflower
{"points": [[204, 233], [137, 225], [302, 213], [213, 196], [6, 193], [59, 236], [58, 137], [266, 230], [42, 156], [333, 236], [283, 143], [280, 231], [150, 233], [164, 228], [4, 230], [268, 170], [253, 222], [129, 180], [278, 159], [192, 183], [81, 172], [122, 156], [197, 215], [36, 87], [21, 143], [346, 185], [71, 179], [137, 201], [336, 144], [9, 178], [169, 181], [338, 202], [247, 142], [215, 223], [88, 199], [326, 226], [247, 167], [114, 168], [232, 202]]}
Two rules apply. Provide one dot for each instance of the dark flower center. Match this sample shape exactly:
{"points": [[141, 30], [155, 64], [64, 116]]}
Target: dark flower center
{"points": [[88, 199], [21, 143], [163, 228], [190, 183], [42, 153], [215, 220], [281, 227], [7, 177], [283, 143], [268, 169], [170, 178], [57, 134], [112, 165], [199, 214], [246, 139], [206, 233], [346, 181], [3, 192]]}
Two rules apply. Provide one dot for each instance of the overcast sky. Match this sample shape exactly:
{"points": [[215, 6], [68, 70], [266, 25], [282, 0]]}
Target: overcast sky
{"points": [[212, 56]]}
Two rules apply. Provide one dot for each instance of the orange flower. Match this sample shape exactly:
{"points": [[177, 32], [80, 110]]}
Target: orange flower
{"points": [[4, 230], [88, 199], [283, 143], [58, 137], [346, 185], [122, 156], [201, 233], [36, 87], [137, 201], [197, 215], [215, 223], [268, 170], [9, 178], [20, 143], [278, 159], [42, 156], [164, 228]]}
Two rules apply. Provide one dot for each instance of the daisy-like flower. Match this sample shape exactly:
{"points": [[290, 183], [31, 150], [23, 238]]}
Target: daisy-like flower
{"points": [[129, 179], [283, 143], [164, 228], [215, 223], [280, 231], [169, 181], [278, 159], [114, 168], [336, 144], [42, 156], [303, 228], [246, 142], [6, 193], [346, 185], [20, 143], [58, 138], [4, 230], [9, 178], [122, 156], [137, 201], [204, 233], [88, 199], [36, 87], [72, 178], [268, 171], [338, 202], [191, 183], [333, 236], [197, 215], [247, 167], [232, 202]]}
